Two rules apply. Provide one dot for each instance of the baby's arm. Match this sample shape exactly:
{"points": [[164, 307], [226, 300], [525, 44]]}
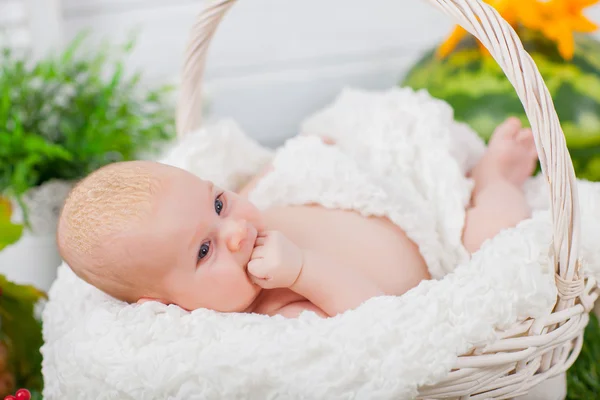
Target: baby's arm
{"points": [[333, 287], [277, 262]]}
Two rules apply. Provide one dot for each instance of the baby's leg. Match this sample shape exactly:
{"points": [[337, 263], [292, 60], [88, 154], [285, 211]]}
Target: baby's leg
{"points": [[498, 200]]}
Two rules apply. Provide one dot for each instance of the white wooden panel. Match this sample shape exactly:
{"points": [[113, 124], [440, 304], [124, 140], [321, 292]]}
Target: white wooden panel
{"points": [[271, 34], [12, 12], [271, 106], [14, 32], [15, 37], [89, 7], [45, 23], [272, 61], [263, 34]]}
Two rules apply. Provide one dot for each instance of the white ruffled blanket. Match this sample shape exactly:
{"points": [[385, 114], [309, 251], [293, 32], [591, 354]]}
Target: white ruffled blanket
{"points": [[399, 154]]}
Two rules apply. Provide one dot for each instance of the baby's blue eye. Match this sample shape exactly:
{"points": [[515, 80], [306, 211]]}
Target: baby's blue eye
{"points": [[204, 249], [218, 205]]}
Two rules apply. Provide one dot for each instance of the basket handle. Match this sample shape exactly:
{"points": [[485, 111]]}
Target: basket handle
{"points": [[484, 22]]}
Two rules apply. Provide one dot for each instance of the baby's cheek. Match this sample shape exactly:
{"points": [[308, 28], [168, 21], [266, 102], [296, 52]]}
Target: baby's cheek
{"points": [[229, 275], [242, 284], [240, 279], [256, 218]]}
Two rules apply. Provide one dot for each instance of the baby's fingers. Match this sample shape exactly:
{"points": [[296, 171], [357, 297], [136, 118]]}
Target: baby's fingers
{"points": [[257, 269], [263, 283], [258, 274], [258, 252]]}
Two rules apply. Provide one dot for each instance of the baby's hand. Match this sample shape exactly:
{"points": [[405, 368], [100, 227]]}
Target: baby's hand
{"points": [[276, 262]]}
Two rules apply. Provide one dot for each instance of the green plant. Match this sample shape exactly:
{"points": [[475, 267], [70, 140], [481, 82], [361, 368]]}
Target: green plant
{"points": [[9, 232], [583, 378], [20, 338], [67, 115]]}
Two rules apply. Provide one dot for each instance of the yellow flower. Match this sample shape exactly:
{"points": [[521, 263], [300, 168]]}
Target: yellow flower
{"points": [[559, 19], [556, 19], [507, 8], [453, 40]]}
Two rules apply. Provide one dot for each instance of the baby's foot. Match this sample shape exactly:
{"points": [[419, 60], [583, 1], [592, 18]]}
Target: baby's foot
{"points": [[510, 155]]}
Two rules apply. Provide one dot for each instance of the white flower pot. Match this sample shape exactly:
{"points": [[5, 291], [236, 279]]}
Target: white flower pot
{"points": [[34, 258]]}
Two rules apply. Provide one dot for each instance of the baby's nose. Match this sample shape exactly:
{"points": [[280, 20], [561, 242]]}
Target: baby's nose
{"points": [[235, 233]]}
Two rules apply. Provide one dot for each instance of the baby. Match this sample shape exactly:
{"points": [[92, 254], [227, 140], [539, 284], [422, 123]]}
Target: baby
{"points": [[143, 231]]}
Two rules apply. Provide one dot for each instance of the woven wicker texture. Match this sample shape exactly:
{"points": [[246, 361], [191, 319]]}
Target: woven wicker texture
{"points": [[532, 351]]}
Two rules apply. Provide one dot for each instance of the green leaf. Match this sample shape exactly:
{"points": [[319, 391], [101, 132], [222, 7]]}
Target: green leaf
{"points": [[22, 332], [20, 293], [9, 232]]}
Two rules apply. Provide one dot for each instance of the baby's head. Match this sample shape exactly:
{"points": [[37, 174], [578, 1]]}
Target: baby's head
{"points": [[146, 231]]}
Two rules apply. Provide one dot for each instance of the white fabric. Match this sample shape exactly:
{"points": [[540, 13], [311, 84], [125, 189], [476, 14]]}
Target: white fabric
{"points": [[394, 153], [390, 149]]}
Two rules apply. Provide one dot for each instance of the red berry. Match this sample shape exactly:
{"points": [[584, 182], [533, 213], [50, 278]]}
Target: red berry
{"points": [[23, 394], [10, 397]]}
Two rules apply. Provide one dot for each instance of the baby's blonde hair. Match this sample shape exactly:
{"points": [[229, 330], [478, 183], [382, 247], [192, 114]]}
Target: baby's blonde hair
{"points": [[98, 214]]}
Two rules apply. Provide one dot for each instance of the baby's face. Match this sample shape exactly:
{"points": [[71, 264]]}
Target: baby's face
{"points": [[203, 237]]}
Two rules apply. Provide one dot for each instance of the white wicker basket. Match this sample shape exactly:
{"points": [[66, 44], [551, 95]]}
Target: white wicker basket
{"points": [[537, 349]]}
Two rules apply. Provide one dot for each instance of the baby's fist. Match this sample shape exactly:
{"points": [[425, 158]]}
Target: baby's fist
{"points": [[276, 261]]}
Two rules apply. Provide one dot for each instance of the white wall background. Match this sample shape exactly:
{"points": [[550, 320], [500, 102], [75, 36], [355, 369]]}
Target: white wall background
{"points": [[272, 62], [13, 24], [30, 25]]}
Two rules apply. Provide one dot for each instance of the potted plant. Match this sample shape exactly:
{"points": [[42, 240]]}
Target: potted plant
{"points": [[60, 119], [557, 35]]}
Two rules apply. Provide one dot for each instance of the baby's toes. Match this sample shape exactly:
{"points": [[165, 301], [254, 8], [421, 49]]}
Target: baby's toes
{"points": [[506, 130], [525, 138], [510, 127], [533, 150]]}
